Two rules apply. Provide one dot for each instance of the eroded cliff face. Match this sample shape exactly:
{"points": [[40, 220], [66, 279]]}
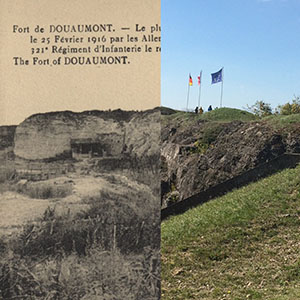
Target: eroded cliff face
{"points": [[49, 135], [188, 167], [143, 133]]}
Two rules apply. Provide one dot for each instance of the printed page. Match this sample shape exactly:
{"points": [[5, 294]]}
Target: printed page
{"points": [[80, 149]]}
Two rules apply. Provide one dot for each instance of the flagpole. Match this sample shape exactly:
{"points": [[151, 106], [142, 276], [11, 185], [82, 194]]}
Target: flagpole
{"points": [[190, 82], [200, 90], [199, 96], [222, 87], [188, 94]]}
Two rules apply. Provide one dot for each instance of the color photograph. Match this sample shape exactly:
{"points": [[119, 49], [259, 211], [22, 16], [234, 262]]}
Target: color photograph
{"points": [[230, 152]]}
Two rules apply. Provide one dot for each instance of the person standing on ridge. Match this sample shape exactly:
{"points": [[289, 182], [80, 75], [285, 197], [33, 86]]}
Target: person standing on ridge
{"points": [[196, 109], [209, 108]]}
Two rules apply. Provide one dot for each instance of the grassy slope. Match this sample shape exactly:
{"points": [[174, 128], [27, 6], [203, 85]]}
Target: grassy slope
{"points": [[244, 245], [227, 114], [282, 121], [224, 114]]}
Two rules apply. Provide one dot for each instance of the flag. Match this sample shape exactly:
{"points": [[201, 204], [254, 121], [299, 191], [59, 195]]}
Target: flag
{"points": [[199, 78], [190, 80], [217, 77]]}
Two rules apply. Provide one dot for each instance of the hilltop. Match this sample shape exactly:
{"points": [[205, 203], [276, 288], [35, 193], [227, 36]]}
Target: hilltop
{"points": [[221, 114]]}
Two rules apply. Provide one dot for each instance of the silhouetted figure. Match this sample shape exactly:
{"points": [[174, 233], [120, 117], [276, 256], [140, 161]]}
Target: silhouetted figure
{"points": [[200, 110], [209, 108], [196, 109]]}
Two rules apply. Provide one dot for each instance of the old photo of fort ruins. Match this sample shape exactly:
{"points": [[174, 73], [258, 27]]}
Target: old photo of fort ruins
{"points": [[80, 150]]}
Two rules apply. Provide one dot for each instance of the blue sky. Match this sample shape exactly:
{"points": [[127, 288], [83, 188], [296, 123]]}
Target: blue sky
{"points": [[256, 41]]}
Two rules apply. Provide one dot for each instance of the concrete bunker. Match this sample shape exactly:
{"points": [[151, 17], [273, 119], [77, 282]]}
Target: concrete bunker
{"points": [[105, 145]]}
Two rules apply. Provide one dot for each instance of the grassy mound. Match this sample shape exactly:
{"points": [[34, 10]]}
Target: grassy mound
{"points": [[244, 245], [228, 114], [223, 114]]}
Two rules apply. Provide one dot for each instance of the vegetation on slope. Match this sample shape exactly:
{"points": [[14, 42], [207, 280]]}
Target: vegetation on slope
{"points": [[244, 245], [213, 122], [229, 114], [96, 254], [283, 121], [108, 250], [224, 114]]}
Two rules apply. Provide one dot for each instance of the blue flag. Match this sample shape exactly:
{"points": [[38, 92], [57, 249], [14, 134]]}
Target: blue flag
{"points": [[217, 77]]}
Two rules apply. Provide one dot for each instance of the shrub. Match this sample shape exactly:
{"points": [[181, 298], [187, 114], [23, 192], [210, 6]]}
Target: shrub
{"points": [[45, 190], [209, 136], [290, 108], [260, 109]]}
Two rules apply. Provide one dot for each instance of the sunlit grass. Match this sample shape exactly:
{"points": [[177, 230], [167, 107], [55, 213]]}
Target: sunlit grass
{"points": [[283, 121], [223, 114], [244, 245]]}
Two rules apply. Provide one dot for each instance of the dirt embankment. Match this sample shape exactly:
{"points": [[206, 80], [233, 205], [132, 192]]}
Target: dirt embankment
{"points": [[202, 154]]}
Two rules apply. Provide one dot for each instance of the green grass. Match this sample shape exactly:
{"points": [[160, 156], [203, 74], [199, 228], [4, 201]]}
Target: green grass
{"points": [[223, 114], [229, 114], [226, 114], [283, 121], [244, 245]]}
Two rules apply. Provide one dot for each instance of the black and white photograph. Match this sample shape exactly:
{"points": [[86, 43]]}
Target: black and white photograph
{"points": [[79, 206], [80, 150]]}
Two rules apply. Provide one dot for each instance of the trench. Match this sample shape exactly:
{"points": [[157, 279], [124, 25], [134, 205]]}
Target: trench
{"points": [[284, 161]]}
